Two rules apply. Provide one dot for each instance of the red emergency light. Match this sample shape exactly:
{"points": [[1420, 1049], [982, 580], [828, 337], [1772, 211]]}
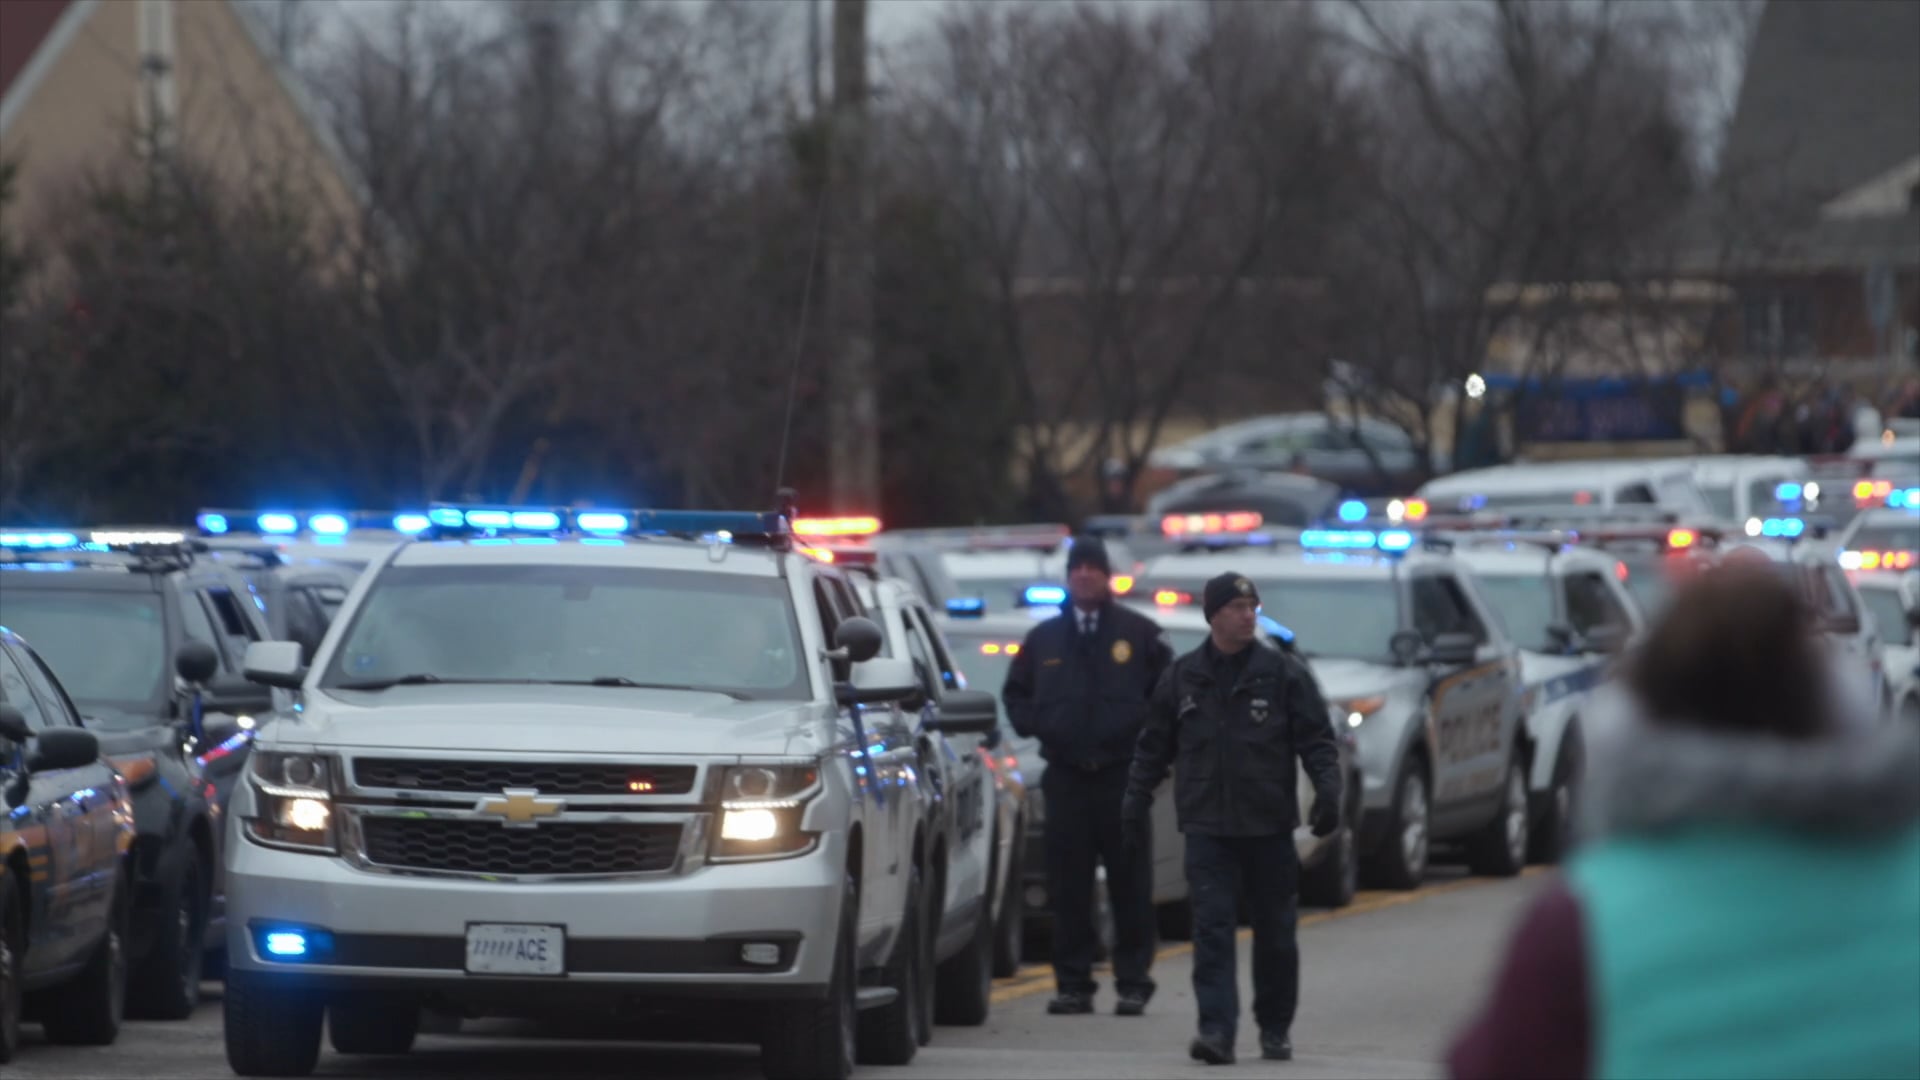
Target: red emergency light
{"points": [[1228, 521], [836, 526]]}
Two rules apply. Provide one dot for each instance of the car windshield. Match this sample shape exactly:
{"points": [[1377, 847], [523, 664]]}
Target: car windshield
{"points": [[108, 648], [1525, 604], [1347, 617], [1889, 615], [1887, 536], [1650, 587], [723, 633], [1721, 499]]}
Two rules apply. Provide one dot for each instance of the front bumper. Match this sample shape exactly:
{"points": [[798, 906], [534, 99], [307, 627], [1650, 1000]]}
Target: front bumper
{"points": [[669, 937]]}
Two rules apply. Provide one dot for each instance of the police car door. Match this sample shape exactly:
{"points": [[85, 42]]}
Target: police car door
{"points": [[1469, 702], [884, 746], [56, 809], [970, 788]]}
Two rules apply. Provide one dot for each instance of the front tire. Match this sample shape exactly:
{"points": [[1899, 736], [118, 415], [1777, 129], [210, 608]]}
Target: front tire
{"points": [[167, 986], [963, 990], [13, 950], [271, 1030], [889, 1034], [1500, 849], [1010, 929], [1552, 833], [1401, 862], [88, 1010], [815, 1040]]}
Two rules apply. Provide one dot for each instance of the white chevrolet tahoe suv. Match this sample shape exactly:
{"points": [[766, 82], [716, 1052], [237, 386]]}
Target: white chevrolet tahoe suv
{"points": [[640, 762]]}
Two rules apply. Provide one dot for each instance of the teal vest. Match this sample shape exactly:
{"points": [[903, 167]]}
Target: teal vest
{"points": [[1744, 952]]}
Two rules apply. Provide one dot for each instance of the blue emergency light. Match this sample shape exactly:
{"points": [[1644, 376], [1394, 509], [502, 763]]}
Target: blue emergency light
{"points": [[410, 523], [1274, 629], [1788, 492], [1345, 539], [1783, 527], [39, 540], [1353, 511], [966, 607], [604, 525], [1904, 499], [1044, 596]]}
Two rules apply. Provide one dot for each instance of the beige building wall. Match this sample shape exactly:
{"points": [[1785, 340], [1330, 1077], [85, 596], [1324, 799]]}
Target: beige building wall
{"points": [[229, 109]]}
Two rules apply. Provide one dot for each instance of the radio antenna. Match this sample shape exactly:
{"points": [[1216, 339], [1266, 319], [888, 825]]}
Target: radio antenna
{"points": [[800, 333]]}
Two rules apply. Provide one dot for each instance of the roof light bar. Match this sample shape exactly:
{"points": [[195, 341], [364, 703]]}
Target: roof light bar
{"points": [[1229, 521], [1043, 596], [39, 540], [135, 537], [1344, 539], [966, 607], [836, 526]]}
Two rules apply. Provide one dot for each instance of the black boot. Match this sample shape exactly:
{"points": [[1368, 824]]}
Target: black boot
{"points": [[1275, 1046], [1211, 1047], [1070, 1004], [1131, 1003]]}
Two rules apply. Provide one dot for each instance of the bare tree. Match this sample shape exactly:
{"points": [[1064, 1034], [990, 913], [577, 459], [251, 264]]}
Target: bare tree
{"points": [[1128, 176]]}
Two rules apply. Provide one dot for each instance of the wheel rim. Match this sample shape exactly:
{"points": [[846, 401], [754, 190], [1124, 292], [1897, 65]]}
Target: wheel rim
{"points": [[1413, 824], [1517, 816]]}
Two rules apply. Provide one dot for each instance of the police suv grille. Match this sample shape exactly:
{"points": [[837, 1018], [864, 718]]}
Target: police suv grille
{"points": [[488, 847], [552, 778]]}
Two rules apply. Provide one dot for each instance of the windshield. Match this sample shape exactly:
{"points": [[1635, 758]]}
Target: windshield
{"points": [[1889, 615], [1525, 605], [1902, 536], [723, 633], [1721, 499], [1354, 618], [109, 648]]}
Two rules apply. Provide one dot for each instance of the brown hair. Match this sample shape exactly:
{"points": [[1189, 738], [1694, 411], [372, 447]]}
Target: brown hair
{"points": [[1736, 651]]}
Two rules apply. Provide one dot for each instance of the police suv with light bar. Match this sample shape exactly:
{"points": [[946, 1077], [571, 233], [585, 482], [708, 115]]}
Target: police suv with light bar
{"points": [[147, 637], [1413, 662], [558, 759]]}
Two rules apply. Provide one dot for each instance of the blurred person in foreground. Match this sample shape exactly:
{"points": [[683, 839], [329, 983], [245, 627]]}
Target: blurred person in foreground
{"points": [[1747, 900], [1230, 717], [1080, 684]]}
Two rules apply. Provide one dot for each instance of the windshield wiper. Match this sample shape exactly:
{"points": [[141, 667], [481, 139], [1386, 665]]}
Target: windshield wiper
{"points": [[416, 679], [623, 681]]}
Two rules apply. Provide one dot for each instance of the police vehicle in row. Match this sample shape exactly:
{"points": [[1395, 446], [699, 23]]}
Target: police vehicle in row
{"points": [[973, 909], [66, 879], [148, 636], [1415, 664], [564, 760], [1894, 601]]}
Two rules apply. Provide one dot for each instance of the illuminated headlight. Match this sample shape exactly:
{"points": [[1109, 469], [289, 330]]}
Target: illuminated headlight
{"points": [[293, 800], [1352, 713], [761, 807]]}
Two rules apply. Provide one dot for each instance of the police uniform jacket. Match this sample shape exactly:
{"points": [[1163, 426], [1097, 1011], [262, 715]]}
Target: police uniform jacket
{"points": [[1231, 728], [1085, 698]]}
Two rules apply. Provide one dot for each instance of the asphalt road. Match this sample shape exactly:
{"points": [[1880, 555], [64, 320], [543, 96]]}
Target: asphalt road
{"points": [[1385, 982]]}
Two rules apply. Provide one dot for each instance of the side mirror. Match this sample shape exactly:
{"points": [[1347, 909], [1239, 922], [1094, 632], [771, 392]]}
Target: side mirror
{"points": [[275, 663], [992, 739], [879, 679], [1405, 647], [64, 748], [1452, 650], [196, 662], [1562, 636], [13, 725], [860, 638], [1606, 638], [968, 712]]}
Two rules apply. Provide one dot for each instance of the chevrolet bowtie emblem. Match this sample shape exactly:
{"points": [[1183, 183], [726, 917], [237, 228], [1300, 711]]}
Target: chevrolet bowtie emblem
{"points": [[520, 806]]}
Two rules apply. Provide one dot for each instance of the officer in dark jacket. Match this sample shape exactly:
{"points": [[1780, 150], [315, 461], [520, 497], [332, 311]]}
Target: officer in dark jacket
{"points": [[1230, 717], [1080, 685]]}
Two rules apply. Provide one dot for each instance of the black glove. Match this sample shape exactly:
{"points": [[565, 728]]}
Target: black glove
{"points": [[1136, 828], [1325, 818]]}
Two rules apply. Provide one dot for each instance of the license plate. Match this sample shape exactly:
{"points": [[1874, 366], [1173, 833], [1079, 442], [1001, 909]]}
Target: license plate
{"points": [[516, 949]]}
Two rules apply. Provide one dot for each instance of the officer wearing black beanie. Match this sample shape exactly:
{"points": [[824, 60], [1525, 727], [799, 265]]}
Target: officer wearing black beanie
{"points": [[1230, 717], [1080, 684]]}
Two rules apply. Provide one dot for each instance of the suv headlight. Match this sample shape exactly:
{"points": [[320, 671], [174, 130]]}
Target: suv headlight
{"points": [[760, 810], [293, 801], [1352, 713]]}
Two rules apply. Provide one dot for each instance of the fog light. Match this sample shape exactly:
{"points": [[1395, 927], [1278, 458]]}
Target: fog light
{"points": [[293, 944], [762, 953], [287, 943]]}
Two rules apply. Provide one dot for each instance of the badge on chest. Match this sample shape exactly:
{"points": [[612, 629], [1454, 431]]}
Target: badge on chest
{"points": [[1122, 651], [1259, 708]]}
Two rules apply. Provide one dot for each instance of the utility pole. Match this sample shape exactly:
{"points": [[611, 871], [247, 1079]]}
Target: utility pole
{"points": [[813, 57], [853, 405]]}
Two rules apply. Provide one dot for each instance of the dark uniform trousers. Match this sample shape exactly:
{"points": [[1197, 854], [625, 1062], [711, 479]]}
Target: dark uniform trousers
{"points": [[1083, 824], [1269, 869]]}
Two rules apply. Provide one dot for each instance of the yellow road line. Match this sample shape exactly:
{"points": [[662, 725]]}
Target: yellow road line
{"points": [[1038, 978]]}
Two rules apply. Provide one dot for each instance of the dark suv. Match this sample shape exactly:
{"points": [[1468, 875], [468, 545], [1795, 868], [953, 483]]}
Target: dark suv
{"points": [[147, 638]]}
